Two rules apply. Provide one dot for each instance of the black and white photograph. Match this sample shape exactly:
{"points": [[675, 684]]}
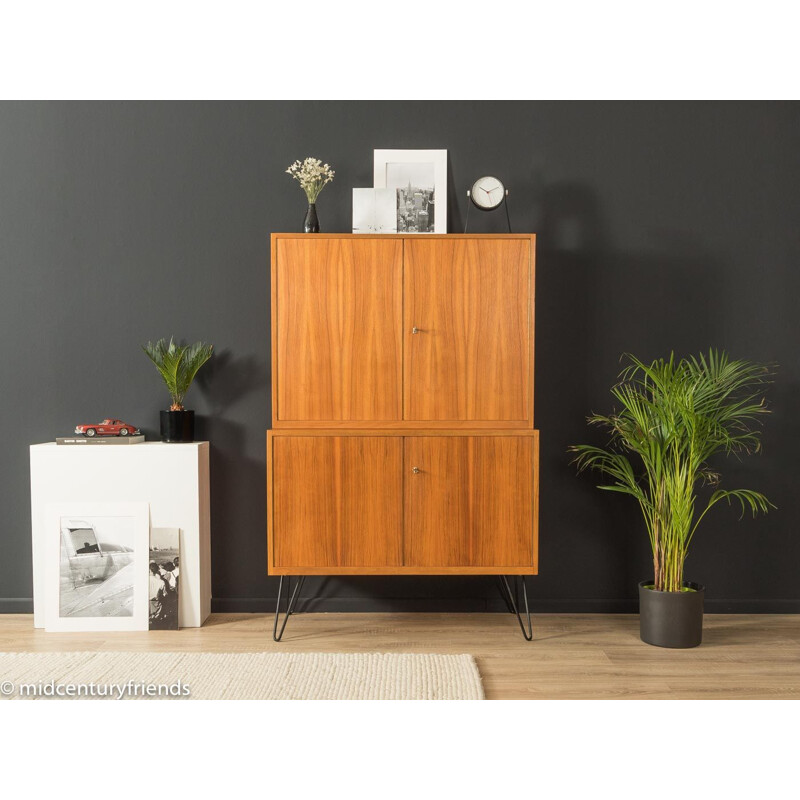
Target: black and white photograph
{"points": [[374, 211], [416, 200], [419, 180], [163, 579], [97, 570], [96, 566]]}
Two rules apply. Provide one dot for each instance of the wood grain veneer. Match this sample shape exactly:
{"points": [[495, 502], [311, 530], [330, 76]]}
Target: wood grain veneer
{"points": [[339, 316], [471, 503], [330, 380], [337, 501], [471, 358], [359, 399], [336, 508]]}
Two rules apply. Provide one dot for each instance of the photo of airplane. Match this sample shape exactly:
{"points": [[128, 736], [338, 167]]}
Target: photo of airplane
{"points": [[96, 571]]}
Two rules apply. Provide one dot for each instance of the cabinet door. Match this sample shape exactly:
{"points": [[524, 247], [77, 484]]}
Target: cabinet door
{"points": [[470, 302], [472, 503], [337, 501], [339, 319]]}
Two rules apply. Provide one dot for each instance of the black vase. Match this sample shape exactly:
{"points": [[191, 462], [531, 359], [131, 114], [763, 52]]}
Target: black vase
{"points": [[177, 426], [311, 223], [671, 619]]}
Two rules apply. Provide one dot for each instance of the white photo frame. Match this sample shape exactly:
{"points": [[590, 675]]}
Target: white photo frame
{"points": [[399, 169], [99, 583]]}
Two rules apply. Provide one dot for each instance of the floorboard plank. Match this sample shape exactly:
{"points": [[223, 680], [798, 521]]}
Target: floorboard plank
{"points": [[573, 656]]}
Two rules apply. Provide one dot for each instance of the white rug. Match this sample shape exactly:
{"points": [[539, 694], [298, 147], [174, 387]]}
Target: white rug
{"points": [[240, 676]]}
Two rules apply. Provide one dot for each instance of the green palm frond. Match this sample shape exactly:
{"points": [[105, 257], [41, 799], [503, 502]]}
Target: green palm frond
{"points": [[177, 365], [674, 415]]}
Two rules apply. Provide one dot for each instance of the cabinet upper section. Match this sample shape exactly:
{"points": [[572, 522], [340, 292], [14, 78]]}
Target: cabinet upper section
{"points": [[419, 331]]}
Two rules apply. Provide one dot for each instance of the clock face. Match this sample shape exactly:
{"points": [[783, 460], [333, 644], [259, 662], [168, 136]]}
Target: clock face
{"points": [[487, 192]]}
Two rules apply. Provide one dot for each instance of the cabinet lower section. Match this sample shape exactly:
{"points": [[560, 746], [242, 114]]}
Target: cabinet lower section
{"points": [[391, 503]]}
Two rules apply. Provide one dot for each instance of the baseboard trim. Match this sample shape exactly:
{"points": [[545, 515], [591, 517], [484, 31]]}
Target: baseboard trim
{"points": [[16, 605], [365, 605], [244, 605]]}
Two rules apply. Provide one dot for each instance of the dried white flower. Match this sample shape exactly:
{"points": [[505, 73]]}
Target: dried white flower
{"points": [[312, 175]]}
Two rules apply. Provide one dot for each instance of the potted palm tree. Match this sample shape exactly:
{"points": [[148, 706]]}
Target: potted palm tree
{"points": [[673, 417], [177, 365]]}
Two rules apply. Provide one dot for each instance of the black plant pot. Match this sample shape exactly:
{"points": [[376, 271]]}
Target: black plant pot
{"points": [[311, 222], [671, 619], [177, 426]]}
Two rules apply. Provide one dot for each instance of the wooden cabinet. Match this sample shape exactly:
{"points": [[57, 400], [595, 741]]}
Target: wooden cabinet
{"points": [[402, 502], [402, 436]]}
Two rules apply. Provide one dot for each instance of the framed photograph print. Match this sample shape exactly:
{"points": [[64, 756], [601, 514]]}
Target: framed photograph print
{"points": [[419, 178], [374, 211], [164, 578], [96, 564]]}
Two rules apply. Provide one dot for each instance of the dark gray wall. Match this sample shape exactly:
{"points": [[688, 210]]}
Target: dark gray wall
{"points": [[661, 226]]}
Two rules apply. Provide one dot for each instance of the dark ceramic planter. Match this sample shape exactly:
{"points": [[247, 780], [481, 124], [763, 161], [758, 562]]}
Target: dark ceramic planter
{"points": [[671, 619], [177, 426]]}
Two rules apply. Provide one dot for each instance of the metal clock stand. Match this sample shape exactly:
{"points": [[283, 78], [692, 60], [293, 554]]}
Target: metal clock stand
{"points": [[504, 204]]}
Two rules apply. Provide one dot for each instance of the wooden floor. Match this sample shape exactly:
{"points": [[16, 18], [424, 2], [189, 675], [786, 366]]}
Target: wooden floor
{"points": [[584, 656]]}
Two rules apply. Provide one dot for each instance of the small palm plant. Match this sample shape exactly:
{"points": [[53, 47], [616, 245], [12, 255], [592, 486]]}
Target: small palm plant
{"points": [[674, 416], [177, 365]]}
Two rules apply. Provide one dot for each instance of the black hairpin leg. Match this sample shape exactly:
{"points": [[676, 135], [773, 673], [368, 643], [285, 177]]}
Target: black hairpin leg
{"points": [[291, 600], [513, 601], [504, 594]]}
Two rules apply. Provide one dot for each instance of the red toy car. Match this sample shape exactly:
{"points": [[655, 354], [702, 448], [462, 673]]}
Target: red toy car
{"points": [[108, 427]]}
